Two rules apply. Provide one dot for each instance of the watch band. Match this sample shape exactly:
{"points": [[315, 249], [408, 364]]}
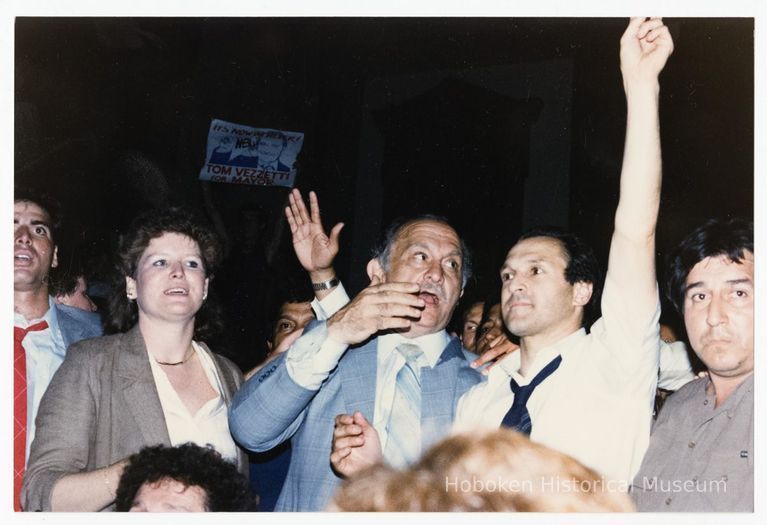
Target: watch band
{"points": [[326, 285]]}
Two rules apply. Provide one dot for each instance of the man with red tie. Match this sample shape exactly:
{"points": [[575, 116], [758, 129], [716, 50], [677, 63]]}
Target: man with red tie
{"points": [[42, 329]]}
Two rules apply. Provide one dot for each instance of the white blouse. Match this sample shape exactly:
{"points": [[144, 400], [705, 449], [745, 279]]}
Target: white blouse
{"points": [[210, 425]]}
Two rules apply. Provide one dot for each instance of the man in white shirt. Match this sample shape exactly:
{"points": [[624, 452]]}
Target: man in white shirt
{"points": [[589, 395]]}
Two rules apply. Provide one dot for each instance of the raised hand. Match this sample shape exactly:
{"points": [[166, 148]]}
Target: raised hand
{"points": [[355, 444], [377, 307], [314, 248], [645, 46]]}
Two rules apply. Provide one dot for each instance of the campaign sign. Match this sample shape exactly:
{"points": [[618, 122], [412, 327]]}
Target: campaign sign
{"points": [[240, 154]]}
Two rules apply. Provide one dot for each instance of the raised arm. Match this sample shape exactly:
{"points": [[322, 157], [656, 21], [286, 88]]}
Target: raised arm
{"points": [[645, 46], [315, 249], [270, 406]]}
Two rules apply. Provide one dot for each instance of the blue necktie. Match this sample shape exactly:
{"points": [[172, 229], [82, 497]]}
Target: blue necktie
{"points": [[518, 417], [403, 445]]}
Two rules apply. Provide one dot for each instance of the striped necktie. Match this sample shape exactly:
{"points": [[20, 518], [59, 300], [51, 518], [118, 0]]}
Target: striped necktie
{"points": [[403, 445], [518, 417]]}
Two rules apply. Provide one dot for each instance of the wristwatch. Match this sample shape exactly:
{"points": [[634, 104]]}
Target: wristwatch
{"points": [[326, 285]]}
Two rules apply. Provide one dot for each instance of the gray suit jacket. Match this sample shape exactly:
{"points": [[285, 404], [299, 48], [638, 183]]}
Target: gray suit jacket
{"points": [[102, 406], [271, 408]]}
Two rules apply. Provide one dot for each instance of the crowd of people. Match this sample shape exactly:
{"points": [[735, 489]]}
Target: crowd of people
{"points": [[545, 399]]}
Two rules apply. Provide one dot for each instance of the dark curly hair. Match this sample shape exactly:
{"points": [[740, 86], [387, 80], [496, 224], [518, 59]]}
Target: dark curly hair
{"points": [[123, 313], [729, 237], [226, 490], [582, 266]]}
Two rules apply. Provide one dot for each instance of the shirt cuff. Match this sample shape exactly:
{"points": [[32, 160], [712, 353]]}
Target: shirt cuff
{"points": [[313, 356], [332, 302]]}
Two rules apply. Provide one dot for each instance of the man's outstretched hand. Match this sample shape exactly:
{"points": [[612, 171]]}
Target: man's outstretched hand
{"points": [[493, 352]]}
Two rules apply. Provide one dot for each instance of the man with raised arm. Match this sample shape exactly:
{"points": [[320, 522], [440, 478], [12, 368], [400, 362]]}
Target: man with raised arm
{"points": [[587, 394]]}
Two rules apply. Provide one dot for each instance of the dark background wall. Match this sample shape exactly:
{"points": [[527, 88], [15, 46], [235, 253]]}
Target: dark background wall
{"points": [[497, 123]]}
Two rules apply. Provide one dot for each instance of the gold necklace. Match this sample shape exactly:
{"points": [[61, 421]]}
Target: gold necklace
{"points": [[187, 358]]}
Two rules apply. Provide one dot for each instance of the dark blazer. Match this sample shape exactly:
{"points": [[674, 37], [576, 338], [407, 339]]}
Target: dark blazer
{"points": [[271, 408], [102, 406]]}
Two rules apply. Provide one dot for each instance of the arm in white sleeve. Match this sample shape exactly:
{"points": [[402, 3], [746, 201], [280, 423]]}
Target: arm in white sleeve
{"points": [[331, 303], [313, 356], [675, 368]]}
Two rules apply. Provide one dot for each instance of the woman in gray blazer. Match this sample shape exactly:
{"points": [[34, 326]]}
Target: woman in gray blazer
{"points": [[153, 383]]}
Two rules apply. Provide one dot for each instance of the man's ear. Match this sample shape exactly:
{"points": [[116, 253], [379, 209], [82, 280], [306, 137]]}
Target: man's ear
{"points": [[375, 269], [55, 260], [582, 291], [269, 346]]}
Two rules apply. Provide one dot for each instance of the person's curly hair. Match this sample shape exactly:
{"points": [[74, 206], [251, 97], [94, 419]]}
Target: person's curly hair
{"points": [[123, 313], [226, 490]]}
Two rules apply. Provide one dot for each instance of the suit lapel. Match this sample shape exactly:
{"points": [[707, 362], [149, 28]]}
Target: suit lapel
{"points": [[76, 325], [139, 389], [357, 371], [70, 331]]}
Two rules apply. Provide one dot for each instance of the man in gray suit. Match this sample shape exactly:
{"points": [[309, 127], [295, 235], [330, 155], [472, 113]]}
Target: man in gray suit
{"points": [[384, 357], [42, 329]]}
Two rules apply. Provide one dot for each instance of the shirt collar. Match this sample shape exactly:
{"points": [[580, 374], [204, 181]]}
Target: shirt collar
{"points": [[546, 355], [49, 317], [731, 404], [432, 345]]}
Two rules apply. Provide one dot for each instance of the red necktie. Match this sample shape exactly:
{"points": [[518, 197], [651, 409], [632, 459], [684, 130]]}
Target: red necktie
{"points": [[20, 407]]}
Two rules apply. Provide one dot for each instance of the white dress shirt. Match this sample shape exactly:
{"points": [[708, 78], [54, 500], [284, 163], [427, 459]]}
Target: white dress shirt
{"points": [[210, 425], [597, 406]]}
